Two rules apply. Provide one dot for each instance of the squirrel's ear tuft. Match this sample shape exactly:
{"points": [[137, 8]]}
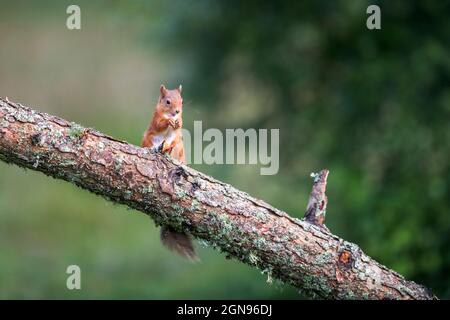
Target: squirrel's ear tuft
{"points": [[180, 88], [163, 90]]}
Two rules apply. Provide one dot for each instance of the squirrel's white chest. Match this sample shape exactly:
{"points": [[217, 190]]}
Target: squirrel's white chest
{"points": [[168, 136]]}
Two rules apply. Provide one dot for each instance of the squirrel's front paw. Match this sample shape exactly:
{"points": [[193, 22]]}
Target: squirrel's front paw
{"points": [[174, 123], [158, 148]]}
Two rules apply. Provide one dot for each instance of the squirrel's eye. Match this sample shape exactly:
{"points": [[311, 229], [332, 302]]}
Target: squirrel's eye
{"points": [[168, 102]]}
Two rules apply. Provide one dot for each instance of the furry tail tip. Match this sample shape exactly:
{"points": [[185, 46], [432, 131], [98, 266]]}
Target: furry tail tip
{"points": [[180, 243]]}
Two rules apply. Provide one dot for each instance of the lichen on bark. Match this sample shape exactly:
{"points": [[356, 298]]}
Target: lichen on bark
{"points": [[297, 252]]}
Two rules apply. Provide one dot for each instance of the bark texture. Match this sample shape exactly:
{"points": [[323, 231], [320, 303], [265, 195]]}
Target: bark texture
{"points": [[295, 251], [317, 204]]}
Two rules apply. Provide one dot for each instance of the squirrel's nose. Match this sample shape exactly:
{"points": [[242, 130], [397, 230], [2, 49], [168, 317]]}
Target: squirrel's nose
{"points": [[177, 111]]}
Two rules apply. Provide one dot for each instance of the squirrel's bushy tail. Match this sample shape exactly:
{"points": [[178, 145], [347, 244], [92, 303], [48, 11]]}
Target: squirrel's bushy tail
{"points": [[181, 243]]}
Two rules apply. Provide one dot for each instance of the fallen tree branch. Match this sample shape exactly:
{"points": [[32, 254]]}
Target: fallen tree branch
{"points": [[297, 252]]}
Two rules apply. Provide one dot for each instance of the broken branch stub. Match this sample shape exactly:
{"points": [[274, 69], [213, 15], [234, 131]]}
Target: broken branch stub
{"points": [[317, 204]]}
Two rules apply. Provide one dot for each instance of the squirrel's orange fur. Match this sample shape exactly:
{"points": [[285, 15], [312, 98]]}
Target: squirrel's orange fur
{"points": [[166, 124], [164, 134]]}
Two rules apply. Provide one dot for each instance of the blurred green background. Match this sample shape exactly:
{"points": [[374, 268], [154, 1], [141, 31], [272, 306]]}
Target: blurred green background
{"points": [[371, 106]]}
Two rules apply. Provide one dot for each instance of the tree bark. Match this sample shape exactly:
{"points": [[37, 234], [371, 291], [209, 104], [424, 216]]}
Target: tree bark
{"points": [[294, 251]]}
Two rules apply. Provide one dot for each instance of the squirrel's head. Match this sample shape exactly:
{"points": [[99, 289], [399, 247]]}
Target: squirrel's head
{"points": [[170, 101]]}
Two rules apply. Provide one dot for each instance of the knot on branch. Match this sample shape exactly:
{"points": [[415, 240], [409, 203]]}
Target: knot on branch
{"points": [[317, 204]]}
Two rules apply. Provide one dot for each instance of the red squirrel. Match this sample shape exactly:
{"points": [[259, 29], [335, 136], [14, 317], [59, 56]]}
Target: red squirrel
{"points": [[164, 134]]}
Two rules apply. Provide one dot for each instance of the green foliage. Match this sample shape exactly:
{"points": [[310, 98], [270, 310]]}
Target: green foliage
{"points": [[371, 106]]}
